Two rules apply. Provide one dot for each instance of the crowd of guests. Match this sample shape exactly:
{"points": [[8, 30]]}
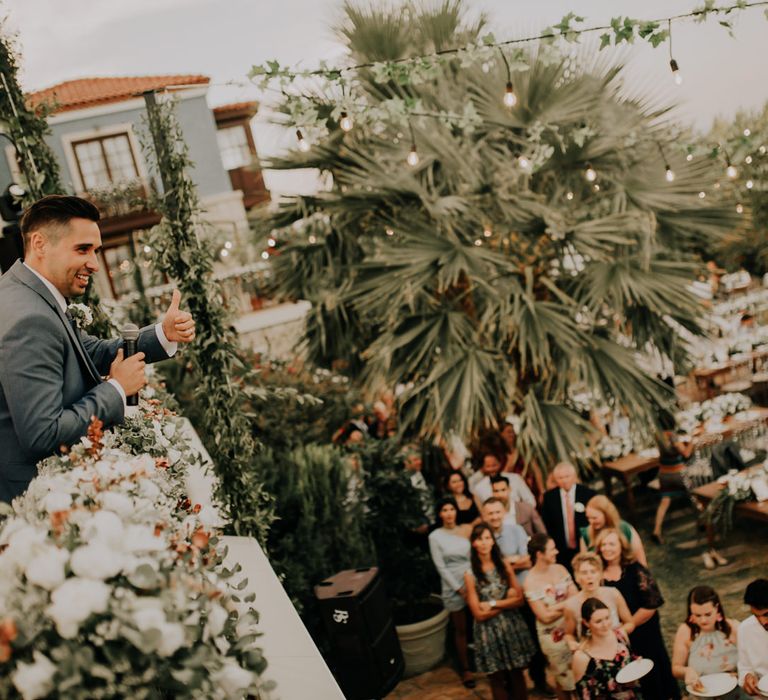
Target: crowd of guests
{"points": [[545, 577], [559, 586]]}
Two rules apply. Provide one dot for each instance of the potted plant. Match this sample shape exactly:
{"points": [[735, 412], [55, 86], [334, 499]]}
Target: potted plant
{"points": [[409, 574]]}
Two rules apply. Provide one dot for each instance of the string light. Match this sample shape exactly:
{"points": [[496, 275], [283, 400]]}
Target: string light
{"points": [[478, 242], [224, 253], [312, 239], [265, 255], [303, 143], [689, 157], [748, 160], [702, 195], [522, 162], [677, 76], [271, 242], [147, 249], [762, 150], [731, 170], [749, 184], [569, 196], [668, 174], [590, 173], [739, 208], [487, 232], [747, 132], [413, 156], [389, 232], [228, 245], [345, 122], [510, 99], [597, 188]]}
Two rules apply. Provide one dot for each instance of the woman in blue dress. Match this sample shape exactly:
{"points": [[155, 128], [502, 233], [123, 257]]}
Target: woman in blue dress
{"points": [[503, 644]]}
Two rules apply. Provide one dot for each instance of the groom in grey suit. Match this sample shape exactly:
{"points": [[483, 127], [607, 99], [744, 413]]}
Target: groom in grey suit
{"points": [[50, 371]]}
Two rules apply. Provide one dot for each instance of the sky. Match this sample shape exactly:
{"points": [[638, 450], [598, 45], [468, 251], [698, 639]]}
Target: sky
{"points": [[67, 39]]}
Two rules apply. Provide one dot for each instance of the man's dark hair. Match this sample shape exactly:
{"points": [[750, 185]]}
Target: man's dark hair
{"points": [[756, 595], [56, 209], [498, 478]]}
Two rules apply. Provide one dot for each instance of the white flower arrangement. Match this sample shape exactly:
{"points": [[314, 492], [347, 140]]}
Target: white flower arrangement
{"points": [[714, 409], [82, 315], [111, 583]]}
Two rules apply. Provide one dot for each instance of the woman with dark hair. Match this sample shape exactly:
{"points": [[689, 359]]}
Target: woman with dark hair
{"points": [[457, 486], [604, 652], [643, 597], [503, 645], [449, 547], [548, 586], [706, 642]]}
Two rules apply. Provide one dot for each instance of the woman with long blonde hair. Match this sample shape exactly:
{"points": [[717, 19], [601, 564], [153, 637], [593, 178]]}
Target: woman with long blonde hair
{"points": [[602, 513]]}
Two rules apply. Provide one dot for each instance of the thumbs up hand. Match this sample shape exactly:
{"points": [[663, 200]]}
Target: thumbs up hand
{"points": [[178, 326]]}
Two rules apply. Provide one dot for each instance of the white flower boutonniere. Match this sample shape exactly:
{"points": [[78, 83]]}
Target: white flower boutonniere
{"points": [[82, 314], [579, 507]]}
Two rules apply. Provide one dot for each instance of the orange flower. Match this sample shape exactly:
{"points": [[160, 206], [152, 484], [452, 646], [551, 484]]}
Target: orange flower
{"points": [[200, 538]]}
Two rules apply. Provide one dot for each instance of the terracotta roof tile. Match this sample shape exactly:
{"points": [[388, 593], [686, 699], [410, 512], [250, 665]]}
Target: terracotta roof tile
{"points": [[90, 92], [236, 107]]}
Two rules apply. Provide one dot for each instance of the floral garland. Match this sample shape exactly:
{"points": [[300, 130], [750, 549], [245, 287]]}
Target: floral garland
{"points": [[112, 583]]}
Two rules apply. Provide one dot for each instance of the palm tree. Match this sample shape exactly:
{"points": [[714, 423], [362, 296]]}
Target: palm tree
{"points": [[494, 277]]}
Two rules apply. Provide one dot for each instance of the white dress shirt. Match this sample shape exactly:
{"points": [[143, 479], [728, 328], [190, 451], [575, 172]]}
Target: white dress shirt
{"points": [[571, 496], [168, 346], [518, 489], [753, 649]]}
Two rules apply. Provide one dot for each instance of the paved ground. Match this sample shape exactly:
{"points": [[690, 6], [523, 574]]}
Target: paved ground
{"points": [[677, 566]]}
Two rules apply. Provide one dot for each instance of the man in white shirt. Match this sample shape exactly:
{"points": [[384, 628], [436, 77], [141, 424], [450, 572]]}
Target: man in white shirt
{"points": [[481, 487], [50, 370], [753, 638]]}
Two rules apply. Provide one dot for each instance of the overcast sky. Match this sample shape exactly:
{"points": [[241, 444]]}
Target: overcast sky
{"points": [[66, 39]]}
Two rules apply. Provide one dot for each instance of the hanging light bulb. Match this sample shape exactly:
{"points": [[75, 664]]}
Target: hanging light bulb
{"points": [[510, 99], [750, 184], [345, 122], [689, 157], [312, 239], [569, 196], [677, 76], [303, 143], [747, 132], [478, 242], [522, 162], [590, 173], [389, 232], [762, 150], [748, 160], [668, 174], [731, 170], [739, 208], [413, 156], [702, 194], [487, 232]]}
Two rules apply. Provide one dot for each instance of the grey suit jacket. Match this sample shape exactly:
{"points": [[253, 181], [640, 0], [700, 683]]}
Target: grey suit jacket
{"points": [[49, 387]]}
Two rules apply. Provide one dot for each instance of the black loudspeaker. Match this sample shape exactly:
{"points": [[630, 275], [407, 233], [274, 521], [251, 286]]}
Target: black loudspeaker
{"points": [[365, 654]]}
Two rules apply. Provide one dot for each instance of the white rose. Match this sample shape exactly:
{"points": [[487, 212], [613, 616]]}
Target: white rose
{"points": [[141, 538], [579, 507], [171, 638], [232, 678], [47, 568], [57, 500], [117, 502], [104, 526], [23, 544], [96, 560], [217, 617], [34, 680], [74, 601]]}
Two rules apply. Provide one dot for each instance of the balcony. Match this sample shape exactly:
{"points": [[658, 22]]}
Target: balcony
{"points": [[124, 206]]}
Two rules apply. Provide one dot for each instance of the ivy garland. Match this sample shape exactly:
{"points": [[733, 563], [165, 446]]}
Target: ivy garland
{"points": [[214, 355], [311, 116], [27, 128]]}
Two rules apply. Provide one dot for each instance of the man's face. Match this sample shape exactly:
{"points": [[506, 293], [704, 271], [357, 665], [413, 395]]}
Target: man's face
{"points": [[501, 490], [491, 465], [413, 462], [565, 476], [493, 514], [761, 614], [69, 261]]}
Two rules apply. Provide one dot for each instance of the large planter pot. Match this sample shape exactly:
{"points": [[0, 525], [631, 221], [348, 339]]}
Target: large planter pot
{"points": [[423, 642]]}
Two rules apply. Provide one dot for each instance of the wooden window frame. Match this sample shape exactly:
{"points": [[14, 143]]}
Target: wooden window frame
{"points": [[100, 140]]}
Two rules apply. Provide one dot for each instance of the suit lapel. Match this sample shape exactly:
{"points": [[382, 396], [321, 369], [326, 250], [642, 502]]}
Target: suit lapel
{"points": [[23, 275]]}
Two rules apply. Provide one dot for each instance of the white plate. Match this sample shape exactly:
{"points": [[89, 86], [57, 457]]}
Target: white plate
{"points": [[634, 670], [762, 686], [715, 685]]}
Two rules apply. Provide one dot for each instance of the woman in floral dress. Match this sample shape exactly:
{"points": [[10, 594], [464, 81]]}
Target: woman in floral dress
{"points": [[547, 588], [503, 645], [706, 642], [603, 654]]}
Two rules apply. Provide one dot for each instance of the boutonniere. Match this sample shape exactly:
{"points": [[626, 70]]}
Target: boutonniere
{"points": [[82, 315], [579, 507]]}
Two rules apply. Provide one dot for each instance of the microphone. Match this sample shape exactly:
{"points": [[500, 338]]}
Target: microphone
{"points": [[130, 335]]}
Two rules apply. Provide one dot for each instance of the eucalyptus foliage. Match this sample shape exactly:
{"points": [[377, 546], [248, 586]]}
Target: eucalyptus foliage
{"points": [[494, 277], [214, 356]]}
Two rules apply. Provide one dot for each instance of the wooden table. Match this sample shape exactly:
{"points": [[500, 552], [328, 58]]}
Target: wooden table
{"points": [[749, 509], [626, 467]]}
